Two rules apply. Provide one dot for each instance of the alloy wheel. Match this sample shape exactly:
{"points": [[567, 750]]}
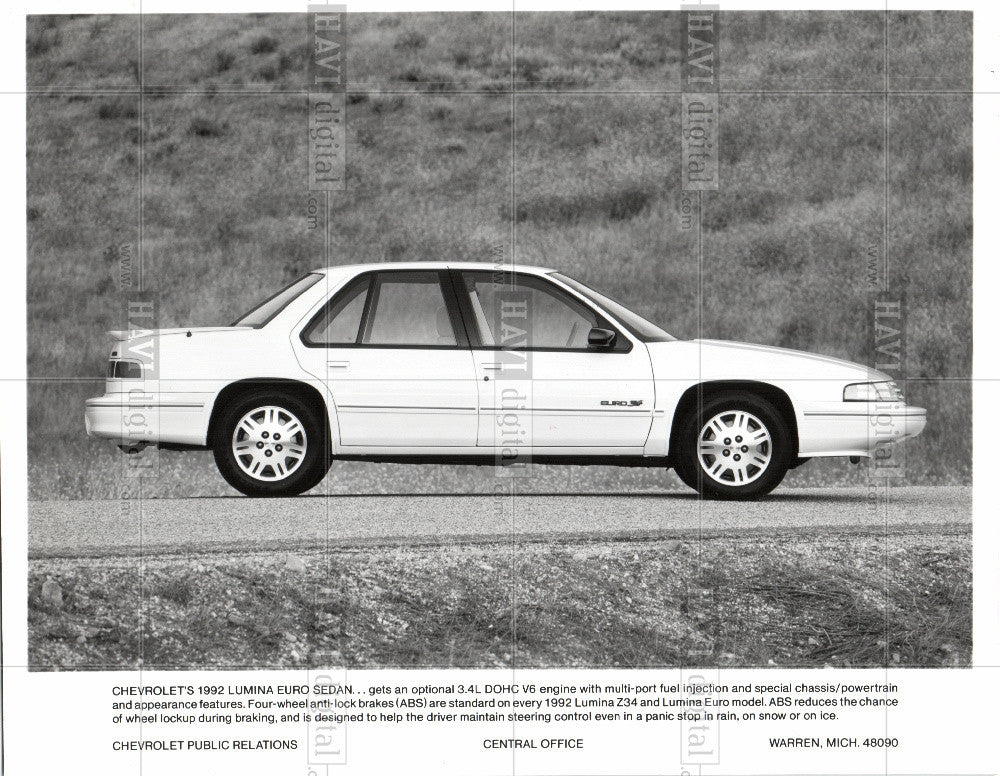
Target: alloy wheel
{"points": [[269, 443], [734, 448]]}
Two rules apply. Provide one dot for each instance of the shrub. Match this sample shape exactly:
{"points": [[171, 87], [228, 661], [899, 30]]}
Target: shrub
{"points": [[461, 57], [952, 236], [959, 162], [224, 60], [287, 61], [799, 332], [227, 229], [41, 40], [616, 204], [205, 127], [636, 54], [411, 40], [135, 68], [937, 356], [559, 77], [439, 113], [489, 122], [431, 81], [118, 109], [529, 68], [388, 104], [176, 589], [769, 253], [266, 73], [264, 44], [627, 203], [752, 205]]}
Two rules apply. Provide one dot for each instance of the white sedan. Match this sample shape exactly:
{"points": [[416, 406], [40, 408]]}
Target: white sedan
{"points": [[473, 363]]}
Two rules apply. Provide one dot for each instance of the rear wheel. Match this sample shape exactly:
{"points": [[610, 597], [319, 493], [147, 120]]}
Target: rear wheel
{"points": [[737, 447], [271, 444]]}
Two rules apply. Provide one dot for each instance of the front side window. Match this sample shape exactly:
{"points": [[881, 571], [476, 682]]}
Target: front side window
{"points": [[525, 311], [408, 309], [639, 326]]}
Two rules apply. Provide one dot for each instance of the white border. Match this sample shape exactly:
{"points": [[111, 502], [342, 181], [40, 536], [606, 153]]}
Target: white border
{"points": [[963, 695]]}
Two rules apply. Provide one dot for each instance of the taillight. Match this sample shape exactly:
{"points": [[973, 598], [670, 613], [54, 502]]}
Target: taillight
{"points": [[124, 370]]}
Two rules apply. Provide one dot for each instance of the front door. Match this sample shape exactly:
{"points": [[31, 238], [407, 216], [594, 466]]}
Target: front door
{"points": [[534, 363], [393, 350]]}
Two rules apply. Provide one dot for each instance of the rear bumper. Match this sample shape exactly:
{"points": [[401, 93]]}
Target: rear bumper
{"points": [[857, 428], [144, 419]]}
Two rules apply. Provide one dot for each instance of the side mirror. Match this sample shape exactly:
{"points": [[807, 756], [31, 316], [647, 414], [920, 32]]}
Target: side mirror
{"points": [[601, 338]]}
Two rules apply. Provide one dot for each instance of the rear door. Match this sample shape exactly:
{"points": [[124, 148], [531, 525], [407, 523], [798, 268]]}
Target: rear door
{"points": [[392, 348]]}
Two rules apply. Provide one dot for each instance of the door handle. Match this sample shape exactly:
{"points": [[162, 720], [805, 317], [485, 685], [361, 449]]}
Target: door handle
{"points": [[337, 364], [493, 367]]}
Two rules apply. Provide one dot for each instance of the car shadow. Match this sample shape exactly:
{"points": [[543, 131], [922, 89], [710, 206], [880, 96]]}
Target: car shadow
{"points": [[789, 495]]}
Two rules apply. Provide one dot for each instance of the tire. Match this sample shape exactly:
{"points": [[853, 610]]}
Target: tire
{"points": [[268, 421], [717, 454]]}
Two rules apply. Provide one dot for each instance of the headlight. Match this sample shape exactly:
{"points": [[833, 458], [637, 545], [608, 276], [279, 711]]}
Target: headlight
{"points": [[884, 391]]}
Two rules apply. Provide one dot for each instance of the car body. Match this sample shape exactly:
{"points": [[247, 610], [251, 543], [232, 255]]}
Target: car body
{"points": [[474, 363]]}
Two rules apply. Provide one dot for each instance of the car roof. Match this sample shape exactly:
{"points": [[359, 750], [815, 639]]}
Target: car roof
{"points": [[480, 265]]}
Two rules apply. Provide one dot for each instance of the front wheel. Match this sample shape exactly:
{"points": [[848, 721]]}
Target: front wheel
{"points": [[737, 447], [271, 444]]}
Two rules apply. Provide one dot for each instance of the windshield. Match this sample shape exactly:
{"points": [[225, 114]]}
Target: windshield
{"points": [[637, 325], [269, 308]]}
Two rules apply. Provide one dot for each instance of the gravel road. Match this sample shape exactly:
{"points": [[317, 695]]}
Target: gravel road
{"points": [[166, 526]]}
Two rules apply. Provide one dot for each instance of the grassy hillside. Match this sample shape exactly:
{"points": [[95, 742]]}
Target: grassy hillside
{"points": [[594, 162]]}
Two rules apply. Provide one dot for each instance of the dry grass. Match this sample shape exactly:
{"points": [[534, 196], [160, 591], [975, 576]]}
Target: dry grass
{"points": [[812, 601]]}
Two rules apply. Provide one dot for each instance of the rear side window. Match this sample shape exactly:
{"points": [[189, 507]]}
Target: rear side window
{"points": [[408, 309], [340, 322], [387, 309]]}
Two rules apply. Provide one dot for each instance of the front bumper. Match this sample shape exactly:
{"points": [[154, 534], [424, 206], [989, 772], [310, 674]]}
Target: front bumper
{"points": [[857, 428], [139, 419]]}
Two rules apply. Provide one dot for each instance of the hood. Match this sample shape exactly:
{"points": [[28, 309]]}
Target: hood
{"points": [[724, 360]]}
